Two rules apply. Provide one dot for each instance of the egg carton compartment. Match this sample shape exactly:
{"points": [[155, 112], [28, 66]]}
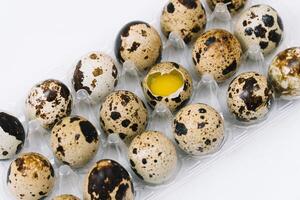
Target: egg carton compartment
{"points": [[131, 76]]}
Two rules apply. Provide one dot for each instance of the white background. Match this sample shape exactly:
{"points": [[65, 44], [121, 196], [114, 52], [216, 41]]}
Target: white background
{"points": [[38, 37]]}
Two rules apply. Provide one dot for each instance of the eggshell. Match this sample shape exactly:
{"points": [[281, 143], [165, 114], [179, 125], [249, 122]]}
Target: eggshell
{"points": [[48, 102], [30, 177]]}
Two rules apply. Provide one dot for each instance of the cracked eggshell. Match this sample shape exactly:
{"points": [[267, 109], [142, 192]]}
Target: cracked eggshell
{"points": [[140, 43], [74, 141], [198, 129], [12, 136], [176, 100], [185, 18], [218, 53], [66, 197], [284, 73], [107, 179], [233, 6], [30, 177], [97, 74], [123, 113], [152, 157], [249, 97], [48, 102], [260, 25]]}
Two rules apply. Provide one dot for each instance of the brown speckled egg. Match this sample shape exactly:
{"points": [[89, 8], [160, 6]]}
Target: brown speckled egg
{"points": [[30, 177], [169, 83], [218, 53], [66, 197], [232, 5], [123, 113], [140, 43], [260, 25], [12, 136], [74, 141], [185, 18], [48, 102], [198, 129], [249, 98], [152, 157], [108, 180], [284, 73], [97, 74]]}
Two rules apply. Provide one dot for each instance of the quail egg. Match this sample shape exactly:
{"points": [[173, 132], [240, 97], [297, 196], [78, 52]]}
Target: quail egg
{"points": [[108, 180], [97, 74], [169, 83], [123, 113], [139, 43], [218, 53], [284, 73], [66, 197], [152, 157], [260, 25], [12, 136], [198, 129], [233, 6], [249, 98], [185, 18], [48, 102], [30, 177], [74, 141]]}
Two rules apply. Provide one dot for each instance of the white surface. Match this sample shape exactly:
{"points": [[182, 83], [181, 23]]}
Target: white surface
{"points": [[39, 36]]}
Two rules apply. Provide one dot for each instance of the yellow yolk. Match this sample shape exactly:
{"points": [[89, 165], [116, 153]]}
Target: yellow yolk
{"points": [[166, 84]]}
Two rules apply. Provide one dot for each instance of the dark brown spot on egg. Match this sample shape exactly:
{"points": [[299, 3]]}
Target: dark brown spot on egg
{"points": [[89, 131], [231, 68], [115, 115], [180, 128], [268, 20], [170, 8], [190, 4], [274, 37], [260, 31]]}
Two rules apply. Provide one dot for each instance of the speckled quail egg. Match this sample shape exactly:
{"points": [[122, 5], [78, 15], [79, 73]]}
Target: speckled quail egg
{"points": [[169, 83], [152, 157], [12, 136], [30, 177], [260, 25], [249, 98], [108, 180], [74, 141], [140, 43], [284, 73], [233, 6], [66, 197], [48, 102], [218, 53], [187, 19], [198, 129], [97, 74], [123, 113]]}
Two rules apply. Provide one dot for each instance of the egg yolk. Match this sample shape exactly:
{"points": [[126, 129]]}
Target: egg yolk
{"points": [[165, 84]]}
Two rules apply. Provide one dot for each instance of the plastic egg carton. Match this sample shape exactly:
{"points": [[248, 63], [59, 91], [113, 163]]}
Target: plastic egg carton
{"points": [[206, 90]]}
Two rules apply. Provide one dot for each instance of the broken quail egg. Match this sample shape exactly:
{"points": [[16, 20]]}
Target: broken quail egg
{"points": [[139, 43], [48, 102], [187, 19], [218, 53], [30, 177], [123, 113], [12, 136], [97, 74], [107, 179], [233, 6], [74, 141], [249, 97], [260, 25], [168, 83], [152, 157], [284, 73], [198, 129]]}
